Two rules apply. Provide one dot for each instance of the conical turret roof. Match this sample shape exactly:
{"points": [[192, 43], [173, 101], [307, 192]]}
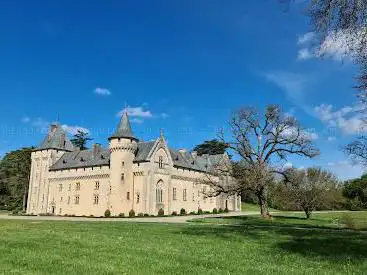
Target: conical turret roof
{"points": [[124, 128]]}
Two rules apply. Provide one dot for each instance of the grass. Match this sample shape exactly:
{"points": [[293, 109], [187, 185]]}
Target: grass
{"points": [[332, 220], [291, 245]]}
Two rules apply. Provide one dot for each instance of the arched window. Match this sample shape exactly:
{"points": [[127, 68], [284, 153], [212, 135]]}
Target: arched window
{"points": [[159, 192]]}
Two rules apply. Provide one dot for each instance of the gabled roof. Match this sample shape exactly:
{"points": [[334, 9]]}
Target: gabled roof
{"points": [[56, 139], [124, 128]]}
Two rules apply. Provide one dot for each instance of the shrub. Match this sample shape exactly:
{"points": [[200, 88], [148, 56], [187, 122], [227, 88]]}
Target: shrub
{"points": [[152, 216], [121, 215], [140, 214], [174, 213], [146, 215], [132, 213], [15, 212], [215, 211], [92, 216], [220, 210], [107, 213], [161, 212], [206, 212], [192, 213], [200, 211], [182, 211], [226, 210]]}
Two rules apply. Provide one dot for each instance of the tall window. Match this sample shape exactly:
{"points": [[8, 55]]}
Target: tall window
{"points": [[159, 192], [76, 199], [184, 195], [122, 178], [68, 199], [174, 193], [69, 186], [77, 186], [96, 199], [160, 161], [128, 195], [96, 186], [60, 187], [137, 197]]}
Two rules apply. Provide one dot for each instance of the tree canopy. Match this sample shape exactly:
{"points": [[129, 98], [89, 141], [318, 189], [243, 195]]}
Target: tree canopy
{"points": [[14, 179], [211, 147], [80, 140]]}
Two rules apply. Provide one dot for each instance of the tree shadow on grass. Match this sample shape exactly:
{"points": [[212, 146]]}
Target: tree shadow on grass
{"points": [[309, 241]]}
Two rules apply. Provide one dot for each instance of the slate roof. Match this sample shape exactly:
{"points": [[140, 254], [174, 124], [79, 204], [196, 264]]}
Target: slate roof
{"points": [[56, 139], [88, 158], [124, 128]]}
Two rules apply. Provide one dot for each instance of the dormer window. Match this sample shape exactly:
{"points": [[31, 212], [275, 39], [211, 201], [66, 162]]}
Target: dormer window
{"points": [[82, 159], [64, 161]]}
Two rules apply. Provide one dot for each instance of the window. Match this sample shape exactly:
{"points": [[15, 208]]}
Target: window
{"points": [[69, 186], [159, 195], [193, 196], [60, 211], [76, 199], [122, 164], [96, 186], [60, 187], [122, 178], [77, 186], [137, 197], [68, 199], [160, 161], [43, 198], [96, 199], [128, 195], [174, 193], [60, 199], [184, 195]]}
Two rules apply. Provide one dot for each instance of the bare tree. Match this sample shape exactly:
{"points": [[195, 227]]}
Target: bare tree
{"points": [[357, 150], [309, 188], [259, 143]]}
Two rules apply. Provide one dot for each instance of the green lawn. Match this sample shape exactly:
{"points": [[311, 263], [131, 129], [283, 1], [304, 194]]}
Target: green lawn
{"points": [[291, 245]]}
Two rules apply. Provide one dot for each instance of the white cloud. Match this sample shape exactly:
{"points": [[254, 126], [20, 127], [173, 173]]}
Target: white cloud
{"points": [[345, 169], [306, 38], [26, 119], [74, 129], [339, 46], [348, 119], [102, 91], [136, 112], [304, 54], [292, 84], [136, 120], [164, 115], [287, 165], [331, 138]]}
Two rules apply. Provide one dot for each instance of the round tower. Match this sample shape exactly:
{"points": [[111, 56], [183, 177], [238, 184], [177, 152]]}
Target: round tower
{"points": [[123, 146]]}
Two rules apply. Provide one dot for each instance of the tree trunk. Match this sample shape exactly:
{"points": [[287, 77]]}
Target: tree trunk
{"points": [[308, 214], [263, 203], [25, 197]]}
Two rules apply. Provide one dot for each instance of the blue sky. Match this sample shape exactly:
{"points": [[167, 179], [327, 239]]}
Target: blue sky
{"points": [[179, 65]]}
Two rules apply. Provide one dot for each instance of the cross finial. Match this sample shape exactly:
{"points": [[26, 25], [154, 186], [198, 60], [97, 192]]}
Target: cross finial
{"points": [[161, 133]]}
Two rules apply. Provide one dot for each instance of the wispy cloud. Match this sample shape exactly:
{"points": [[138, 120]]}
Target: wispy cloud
{"points": [[74, 129], [292, 84], [345, 169], [43, 125], [339, 46], [102, 91], [348, 119], [140, 113]]}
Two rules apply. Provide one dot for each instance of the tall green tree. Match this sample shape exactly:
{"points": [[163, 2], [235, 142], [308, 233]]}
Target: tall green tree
{"points": [[80, 140], [211, 147], [14, 178]]}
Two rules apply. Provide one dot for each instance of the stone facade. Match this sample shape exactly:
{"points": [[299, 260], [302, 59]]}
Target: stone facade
{"points": [[129, 175]]}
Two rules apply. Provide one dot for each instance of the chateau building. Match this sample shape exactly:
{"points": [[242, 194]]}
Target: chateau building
{"points": [[143, 176]]}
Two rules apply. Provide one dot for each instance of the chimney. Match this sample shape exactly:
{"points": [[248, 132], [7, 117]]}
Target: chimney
{"points": [[182, 151], [52, 131], [96, 149], [194, 154]]}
